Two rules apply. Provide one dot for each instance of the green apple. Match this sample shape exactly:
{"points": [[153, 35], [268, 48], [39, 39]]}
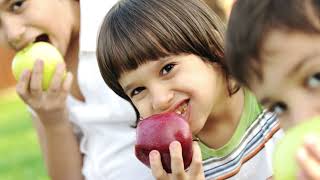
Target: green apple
{"points": [[284, 158], [25, 59]]}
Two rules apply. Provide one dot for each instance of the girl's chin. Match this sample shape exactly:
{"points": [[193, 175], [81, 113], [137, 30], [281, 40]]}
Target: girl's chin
{"points": [[196, 125], [194, 129]]}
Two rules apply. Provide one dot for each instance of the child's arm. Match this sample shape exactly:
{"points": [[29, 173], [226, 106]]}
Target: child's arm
{"points": [[309, 159], [60, 149], [59, 144], [195, 171]]}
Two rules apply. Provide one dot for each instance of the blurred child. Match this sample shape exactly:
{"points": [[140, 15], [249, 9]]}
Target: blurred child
{"points": [[101, 119], [273, 47], [164, 55]]}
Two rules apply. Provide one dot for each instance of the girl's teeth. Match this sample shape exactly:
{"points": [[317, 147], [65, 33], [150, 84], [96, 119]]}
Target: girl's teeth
{"points": [[182, 109]]}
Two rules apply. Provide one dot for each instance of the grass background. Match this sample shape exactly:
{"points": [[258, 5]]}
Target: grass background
{"points": [[20, 157]]}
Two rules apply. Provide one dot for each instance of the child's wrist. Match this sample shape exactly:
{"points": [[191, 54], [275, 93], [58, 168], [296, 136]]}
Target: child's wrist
{"points": [[58, 128], [55, 119]]}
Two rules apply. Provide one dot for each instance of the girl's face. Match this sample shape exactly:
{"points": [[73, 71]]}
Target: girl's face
{"points": [[184, 84], [291, 76], [26, 21]]}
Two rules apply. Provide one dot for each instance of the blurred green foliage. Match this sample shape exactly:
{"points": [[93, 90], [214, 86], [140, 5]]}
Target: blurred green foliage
{"points": [[20, 156]]}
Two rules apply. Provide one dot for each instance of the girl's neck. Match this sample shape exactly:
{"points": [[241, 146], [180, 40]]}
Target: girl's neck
{"points": [[72, 54], [224, 122], [72, 63]]}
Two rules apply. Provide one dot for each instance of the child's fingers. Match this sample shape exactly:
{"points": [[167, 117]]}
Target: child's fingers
{"points": [[309, 165], [301, 176], [312, 145], [156, 166], [270, 178], [196, 169], [36, 78], [56, 82], [22, 87], [177, 166]]}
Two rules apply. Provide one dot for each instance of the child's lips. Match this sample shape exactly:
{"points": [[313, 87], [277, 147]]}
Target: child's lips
{"points": [[183, 109]]}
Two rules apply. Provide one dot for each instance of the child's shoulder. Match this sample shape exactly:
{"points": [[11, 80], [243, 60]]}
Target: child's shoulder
{"points": [[251, 109], [251, 154]]}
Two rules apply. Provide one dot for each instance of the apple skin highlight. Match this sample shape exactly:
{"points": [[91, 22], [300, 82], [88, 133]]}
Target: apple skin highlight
{"points": [[284, 159], [25, 59], [157, 132]]}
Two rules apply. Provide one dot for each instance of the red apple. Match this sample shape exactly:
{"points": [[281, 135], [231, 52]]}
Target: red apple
{"points": [[157, 132]]}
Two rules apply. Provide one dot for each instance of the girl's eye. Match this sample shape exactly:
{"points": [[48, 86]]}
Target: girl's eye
{"points": [[16, 5], [278, 108], [136, 91], [167, 68], [314, 81]]}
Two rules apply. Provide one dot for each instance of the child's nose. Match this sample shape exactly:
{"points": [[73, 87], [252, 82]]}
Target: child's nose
{"points": [[162, 100], [13, 30]]}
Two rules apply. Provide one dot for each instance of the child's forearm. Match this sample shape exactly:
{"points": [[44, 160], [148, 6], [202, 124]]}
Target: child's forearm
{"points": [[60, 149]]}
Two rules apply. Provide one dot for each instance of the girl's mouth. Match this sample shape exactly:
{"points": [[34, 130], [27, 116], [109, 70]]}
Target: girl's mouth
{"points": [[42, 38], [183, 109]]}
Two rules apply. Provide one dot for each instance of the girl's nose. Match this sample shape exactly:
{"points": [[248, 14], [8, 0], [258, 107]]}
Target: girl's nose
{"points": [[161, 99], [13, 30]]}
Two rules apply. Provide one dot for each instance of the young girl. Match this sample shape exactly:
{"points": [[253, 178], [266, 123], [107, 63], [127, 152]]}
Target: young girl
{"points": [[281, 63], [101, 119], [164, 55]]}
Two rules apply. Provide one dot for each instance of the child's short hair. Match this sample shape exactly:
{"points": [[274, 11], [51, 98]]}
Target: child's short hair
{"points": [[252, 20], [135, 31]]}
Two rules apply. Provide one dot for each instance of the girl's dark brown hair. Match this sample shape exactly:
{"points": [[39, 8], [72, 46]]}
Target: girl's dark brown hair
{"points": [[137, 31]]}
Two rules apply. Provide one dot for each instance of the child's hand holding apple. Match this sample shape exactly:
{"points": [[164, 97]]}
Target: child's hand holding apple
{"points": [[42, 80], [195, 171], [297, 156], [308, 157], [164, 143]]}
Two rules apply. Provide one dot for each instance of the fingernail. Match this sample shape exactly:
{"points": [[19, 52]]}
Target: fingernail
{"points": [[175, 144], [39, 61], [195, 142], [153, 154], [301, 154], [311, 139], [25, 73], [299, 175]]}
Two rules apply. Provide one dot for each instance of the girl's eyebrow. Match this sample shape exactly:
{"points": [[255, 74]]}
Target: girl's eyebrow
{"points": [[302, 61], [127, 87]]}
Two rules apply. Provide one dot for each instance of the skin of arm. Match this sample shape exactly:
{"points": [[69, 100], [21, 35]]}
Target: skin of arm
{"points": [[63, 160], [51, 119]]}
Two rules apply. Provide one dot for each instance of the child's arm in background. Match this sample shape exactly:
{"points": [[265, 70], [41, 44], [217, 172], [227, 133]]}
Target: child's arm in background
{"points": [[58, 142], [60, 149]]}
